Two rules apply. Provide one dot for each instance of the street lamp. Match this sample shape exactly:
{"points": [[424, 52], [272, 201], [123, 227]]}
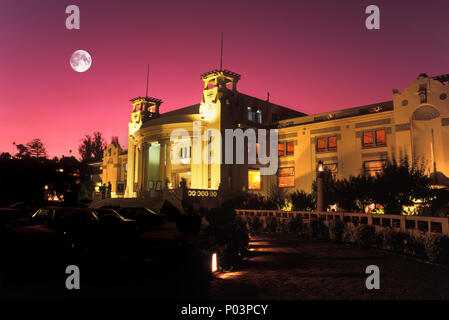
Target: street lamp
{"points": [[320, 188]]}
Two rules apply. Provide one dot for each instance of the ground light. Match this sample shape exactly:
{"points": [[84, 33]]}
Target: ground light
{"points": [[214, 262]]}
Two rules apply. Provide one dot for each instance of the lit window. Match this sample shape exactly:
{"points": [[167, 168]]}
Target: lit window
{"points": [[290, 148], [332, 143], [253, 179], [281, 149], [321, 144], [254, 114], [373, 167], [368, 139], [286, 177], [381, 138], [374, 138]]}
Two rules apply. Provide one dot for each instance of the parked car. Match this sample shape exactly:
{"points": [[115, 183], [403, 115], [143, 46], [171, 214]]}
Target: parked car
{"points": [[145, 218], [86, 227], [13, 217]]}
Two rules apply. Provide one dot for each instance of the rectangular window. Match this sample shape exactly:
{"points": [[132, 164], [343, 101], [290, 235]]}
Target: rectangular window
{"points": [[254, 114], [324, 144], [332, 143], [253, 179], [381, 138], [281, 149], [368, 139], [290, 148], [373, 167], [286, 177], [321, 144], [375, 138]]}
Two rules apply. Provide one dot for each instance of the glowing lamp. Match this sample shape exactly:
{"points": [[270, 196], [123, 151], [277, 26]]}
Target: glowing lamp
{"points": [[320, 166], [214, 262]]}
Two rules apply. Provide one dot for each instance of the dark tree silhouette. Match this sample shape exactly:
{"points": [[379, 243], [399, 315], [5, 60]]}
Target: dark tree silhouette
{"points": [[36, 148], [91, 148], [5, 156], [23, 152]]}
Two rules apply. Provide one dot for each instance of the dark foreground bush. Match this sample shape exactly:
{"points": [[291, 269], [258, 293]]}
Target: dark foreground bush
{"points": [[364, 235], [394, 240], [335, 230], [295, 224], [437, 248], [255, 224], [316, 229], [272, 224]]}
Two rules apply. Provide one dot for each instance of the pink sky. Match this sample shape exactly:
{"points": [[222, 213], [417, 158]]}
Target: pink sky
{"points": [[313, 56]]}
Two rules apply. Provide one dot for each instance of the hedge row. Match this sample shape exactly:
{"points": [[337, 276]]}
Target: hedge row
{"points": [[429, 246]]}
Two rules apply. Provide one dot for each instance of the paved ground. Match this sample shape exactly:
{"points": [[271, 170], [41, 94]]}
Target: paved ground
{"points": [[288, 267]]}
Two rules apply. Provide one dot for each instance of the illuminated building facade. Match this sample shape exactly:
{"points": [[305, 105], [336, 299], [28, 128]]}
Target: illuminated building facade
{"points": [[349, 141]]}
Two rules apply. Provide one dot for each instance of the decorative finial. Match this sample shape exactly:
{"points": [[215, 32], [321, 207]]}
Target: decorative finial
{"points": [[148, 75], [221, 53]]}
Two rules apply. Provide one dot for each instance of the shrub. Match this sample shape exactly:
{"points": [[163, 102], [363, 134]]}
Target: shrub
{"points": [[272, 224], [295, 224], [284, 226], [393, 240], [315, 229], [255, 224], [302, 201], [335, 230], [378, 239], [414, 246], [323, 232], [348, 233], [437, 248], [364, 235]]}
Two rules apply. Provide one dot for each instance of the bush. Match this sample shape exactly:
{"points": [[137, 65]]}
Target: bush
{"points": [[378, 240], [302, 201], [315, 229], [437, 248], [272, 224], [323, 232], [284, 226], [255, 224], [414, 246], [364, 235], [349, 233], [295, 224], [335, 230], [395, 241]]}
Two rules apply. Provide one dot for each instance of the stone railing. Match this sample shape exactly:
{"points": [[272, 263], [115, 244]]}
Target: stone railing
{"points": [[403, 223], [202, 193]]}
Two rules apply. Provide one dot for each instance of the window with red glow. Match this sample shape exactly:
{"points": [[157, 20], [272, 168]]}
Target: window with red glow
{"points": [[281, 149], [381, 138], [290, 148], [332, 143], [321, 144], [373, 167], [368, 139], [286, 177]]}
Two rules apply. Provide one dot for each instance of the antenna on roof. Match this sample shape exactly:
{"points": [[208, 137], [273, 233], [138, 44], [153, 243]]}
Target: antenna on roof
{"points": [[148, 75], [221, 54]]}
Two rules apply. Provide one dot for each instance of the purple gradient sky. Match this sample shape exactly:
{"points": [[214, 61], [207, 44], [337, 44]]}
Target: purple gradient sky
{"points": [[314, 56]]}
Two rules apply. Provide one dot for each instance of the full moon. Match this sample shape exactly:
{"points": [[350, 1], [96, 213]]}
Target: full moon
{"points": [[80, 61]]}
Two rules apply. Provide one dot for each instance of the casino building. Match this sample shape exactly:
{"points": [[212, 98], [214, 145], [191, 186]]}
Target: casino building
{"points": [[348, 141]]}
